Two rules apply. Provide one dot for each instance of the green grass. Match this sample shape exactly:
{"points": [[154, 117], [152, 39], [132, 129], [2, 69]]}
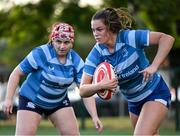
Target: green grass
{"points": [[112, 126]]}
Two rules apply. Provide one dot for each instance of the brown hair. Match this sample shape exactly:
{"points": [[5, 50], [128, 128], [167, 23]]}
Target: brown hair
{"points": [[115, 18]]}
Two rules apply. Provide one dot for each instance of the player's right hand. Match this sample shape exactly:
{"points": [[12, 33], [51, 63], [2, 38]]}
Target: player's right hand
{"points": [[8, 107]]}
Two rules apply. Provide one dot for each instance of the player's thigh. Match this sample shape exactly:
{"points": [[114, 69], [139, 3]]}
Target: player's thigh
{"points": [[133, 118], [150, 118], [64, 119], [27, 122]]}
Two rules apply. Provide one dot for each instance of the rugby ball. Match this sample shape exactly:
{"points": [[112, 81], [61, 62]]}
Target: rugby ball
{"points": [[101, 71]]}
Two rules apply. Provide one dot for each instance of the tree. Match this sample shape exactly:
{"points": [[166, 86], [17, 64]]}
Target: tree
{"points": [[161, 15], [25, 26]]}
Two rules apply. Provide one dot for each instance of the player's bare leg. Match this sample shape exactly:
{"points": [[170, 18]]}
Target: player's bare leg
{"points": [[65, 121], [27, 122], [150, 118]]}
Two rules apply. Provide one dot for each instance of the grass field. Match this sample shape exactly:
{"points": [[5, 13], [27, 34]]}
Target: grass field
{"points": [[112, 126]]}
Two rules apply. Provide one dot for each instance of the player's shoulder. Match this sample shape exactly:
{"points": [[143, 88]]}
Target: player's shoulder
{"points": [[41, 51], [131, 32], [41, 47], [73, 53], [98, 48], [75, 57]]}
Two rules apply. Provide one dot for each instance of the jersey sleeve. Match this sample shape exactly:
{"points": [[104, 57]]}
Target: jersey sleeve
{"points": [[135, 38], [79, 65], [31, 61], [92, 60], [142, 38]]}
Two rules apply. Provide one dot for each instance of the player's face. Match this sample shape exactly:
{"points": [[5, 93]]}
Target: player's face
{"points": [[62, 46], [100, 31]]}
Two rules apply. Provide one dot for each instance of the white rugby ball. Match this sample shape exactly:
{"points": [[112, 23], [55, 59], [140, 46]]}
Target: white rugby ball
{"points": [[103, 69]]}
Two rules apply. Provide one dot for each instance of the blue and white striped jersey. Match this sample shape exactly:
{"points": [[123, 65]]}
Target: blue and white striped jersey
{"points": [[47, 81], [128, 59]]}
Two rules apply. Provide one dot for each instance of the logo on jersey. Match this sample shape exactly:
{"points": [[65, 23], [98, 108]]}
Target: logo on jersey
{"points": [[124, 74], [65, 102], [124, 51], [51, 68], [31, 105]]}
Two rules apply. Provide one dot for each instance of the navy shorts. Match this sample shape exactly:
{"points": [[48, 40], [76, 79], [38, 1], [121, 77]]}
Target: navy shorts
{"points": [[160, 94], [26, 104]]}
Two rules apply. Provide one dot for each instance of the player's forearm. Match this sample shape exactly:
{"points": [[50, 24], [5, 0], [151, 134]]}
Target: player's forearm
{"points": [[12, 84], [90, 105], [11, 87], [165, 45], [87, 90]]}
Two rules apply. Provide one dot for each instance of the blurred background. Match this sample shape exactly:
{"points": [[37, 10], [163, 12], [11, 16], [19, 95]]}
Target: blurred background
{"points": [[24, 24]]}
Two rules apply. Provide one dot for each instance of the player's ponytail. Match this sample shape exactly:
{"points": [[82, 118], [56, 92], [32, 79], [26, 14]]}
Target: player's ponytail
{"points": [[125, 18]]}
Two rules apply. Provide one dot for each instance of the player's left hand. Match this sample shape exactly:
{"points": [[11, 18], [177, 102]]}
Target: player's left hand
{"points": [[148, 72], [98, 124]]}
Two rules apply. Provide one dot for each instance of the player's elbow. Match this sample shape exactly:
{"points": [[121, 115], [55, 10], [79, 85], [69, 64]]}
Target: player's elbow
{"points": [[83, 93], [168, 39], [171, 39]]}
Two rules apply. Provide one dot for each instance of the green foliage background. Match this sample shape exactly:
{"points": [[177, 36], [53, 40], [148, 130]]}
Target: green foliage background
{"points": [[24, 27]]}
